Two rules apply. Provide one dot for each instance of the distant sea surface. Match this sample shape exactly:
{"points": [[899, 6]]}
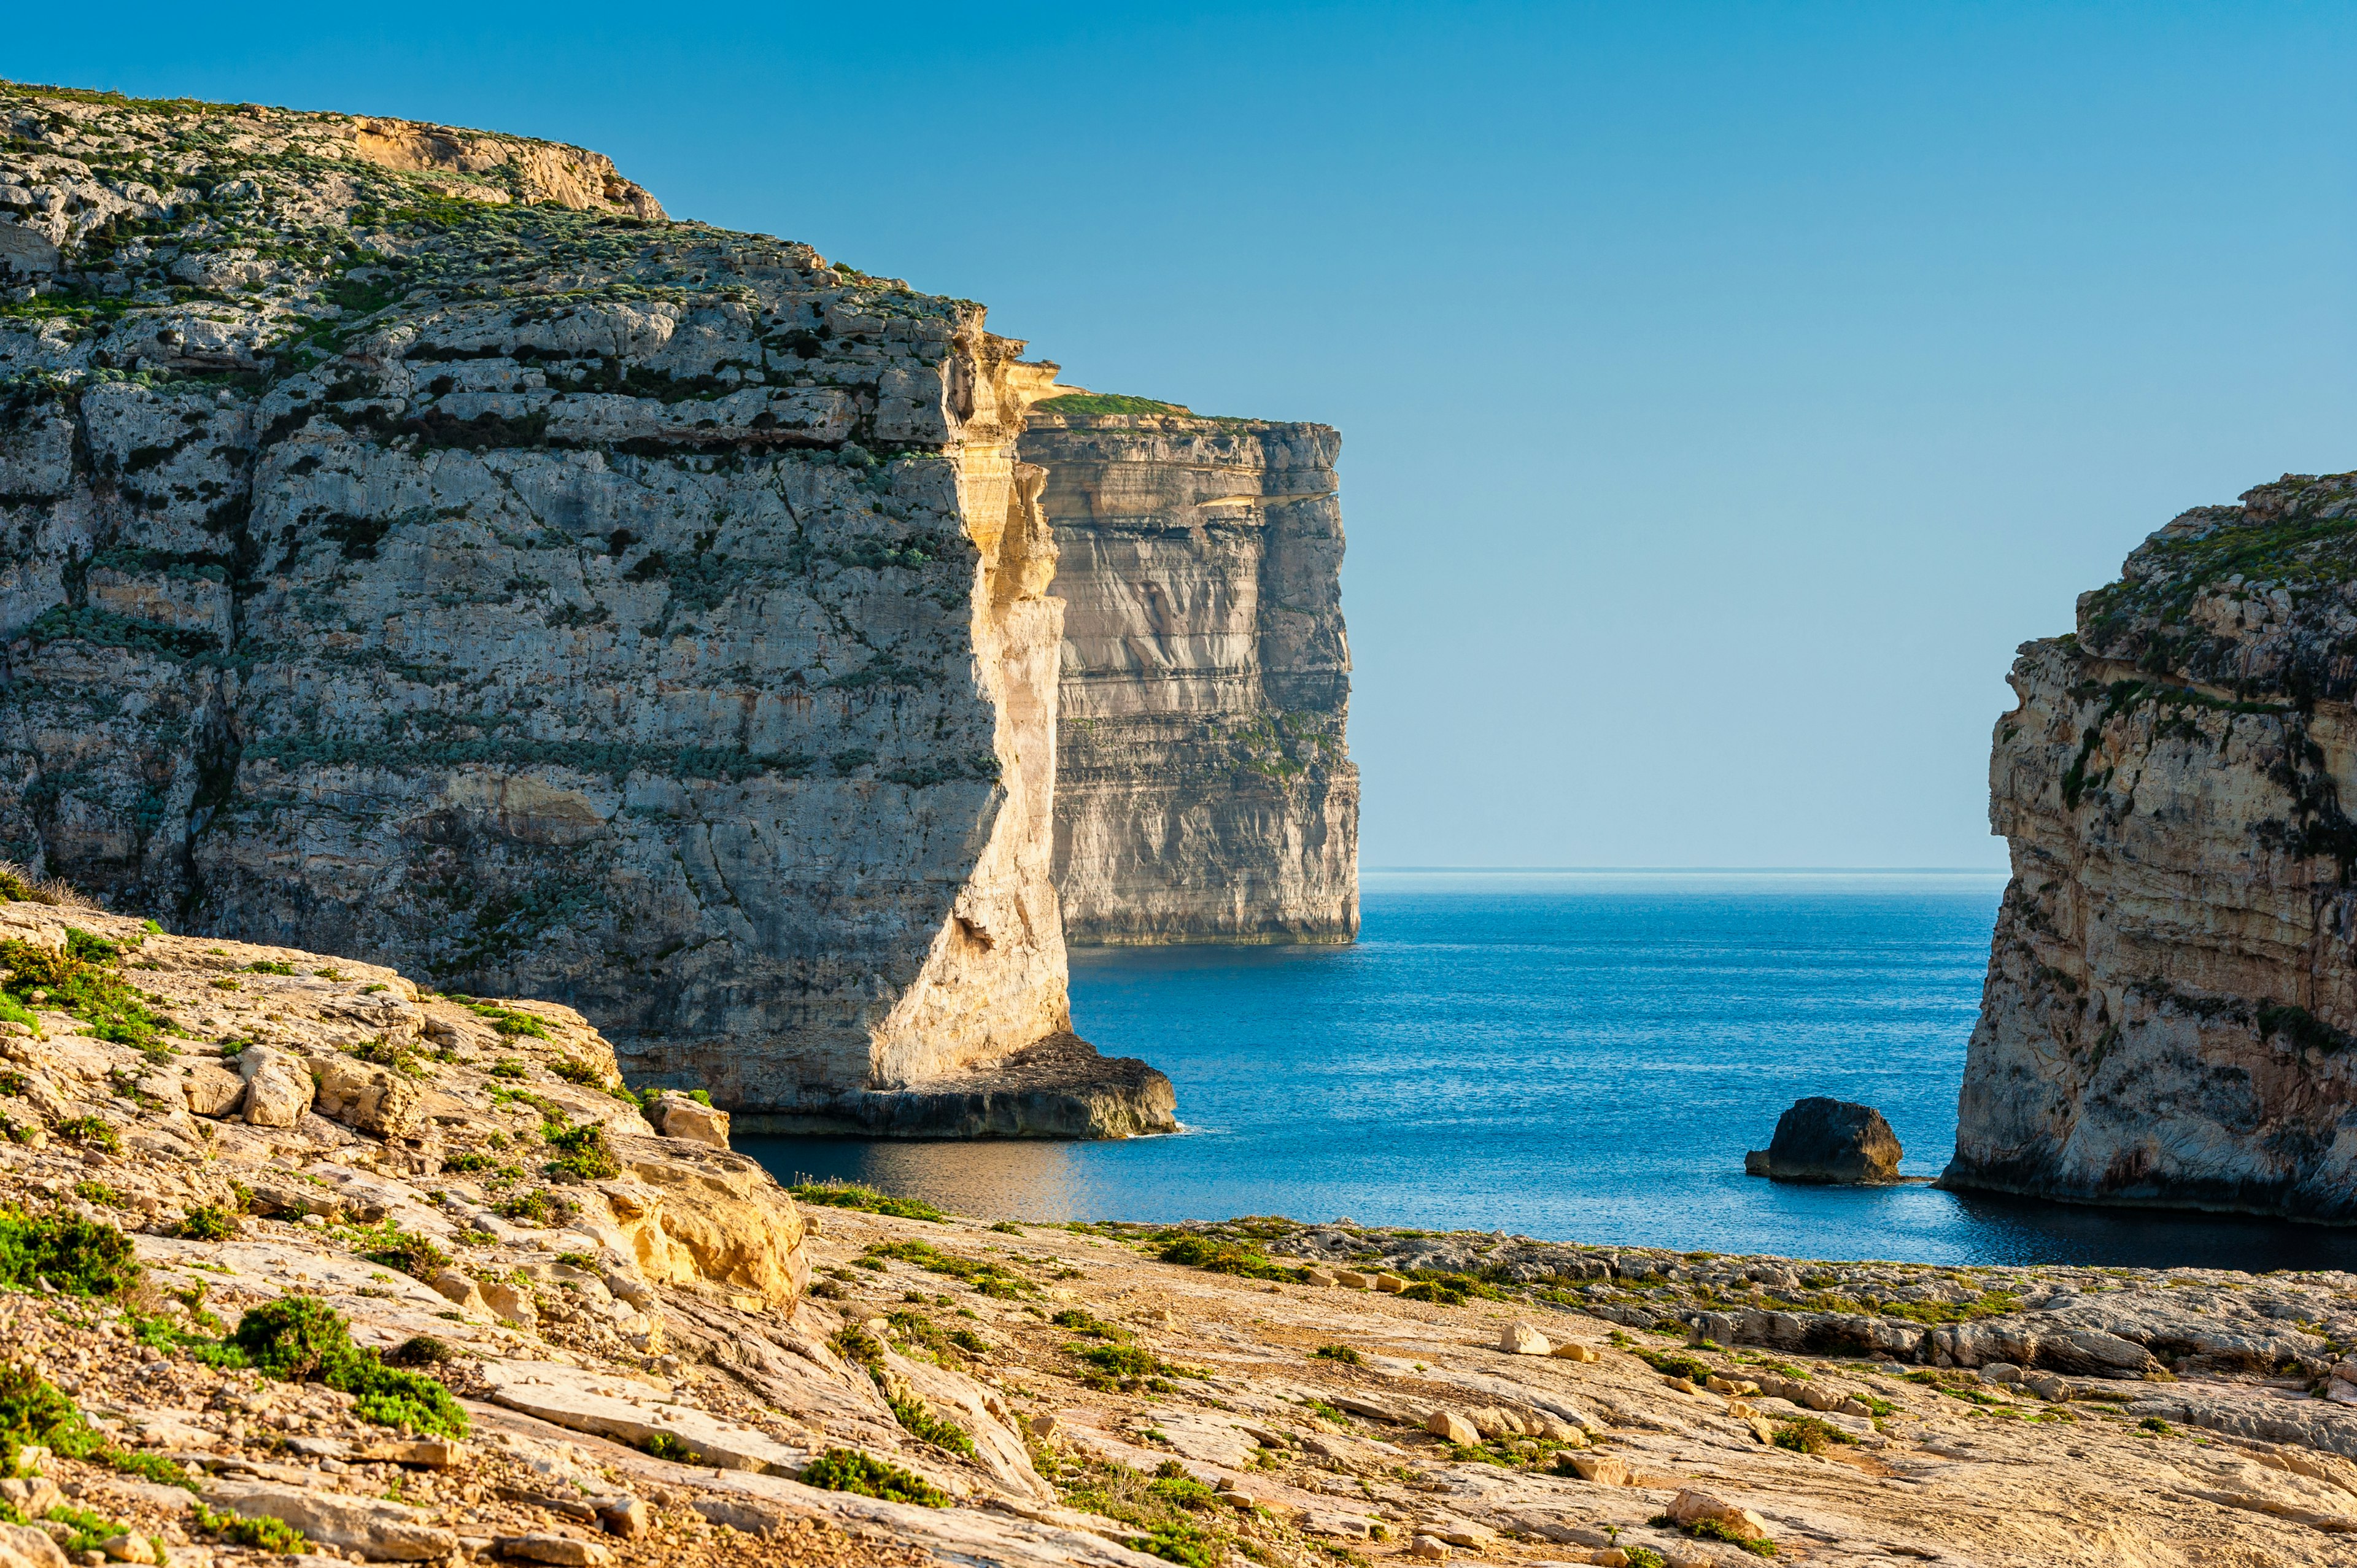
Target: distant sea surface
{"points": [[1573, 1056]]}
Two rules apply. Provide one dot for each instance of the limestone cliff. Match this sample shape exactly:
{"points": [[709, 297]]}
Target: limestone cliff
{"points": [[1203, 788], [2172, 997], [419, 547]]}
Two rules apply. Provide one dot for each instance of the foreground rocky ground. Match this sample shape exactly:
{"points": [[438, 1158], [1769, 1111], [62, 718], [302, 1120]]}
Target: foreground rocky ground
{"points": [[581, 1331]]}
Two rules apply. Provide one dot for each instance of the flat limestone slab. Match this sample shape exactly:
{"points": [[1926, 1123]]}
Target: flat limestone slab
{"points": [[614, 1407], [378, 1531], [960, 1535]]}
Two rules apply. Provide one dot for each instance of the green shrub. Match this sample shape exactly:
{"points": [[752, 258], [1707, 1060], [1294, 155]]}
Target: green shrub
{"points": [[507, 1021], [1674, 1366], [300, 1338], [986, 1277], [33, 1412], [262, 1532], [1808, 1435], [1080, 1322], [664, 1445], [413, 1254], [849, 1470], [1223, 1258], [269, 966], [1122, 1360], [582, 1154], [153, 1467], [536, 1206], [80, 1257], [210, 1223], [90, 1132], [1341, 1353], [918, 1419], [582, 1073], [850, 1195], [506, 1067], [1714, 1529]]}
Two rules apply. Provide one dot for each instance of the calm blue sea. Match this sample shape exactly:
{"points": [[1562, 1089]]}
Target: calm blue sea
{"points": [[1575, 1055]]}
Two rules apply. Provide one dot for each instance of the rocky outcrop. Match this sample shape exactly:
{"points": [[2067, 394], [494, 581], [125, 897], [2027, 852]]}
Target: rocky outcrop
{"points": [[421, 549], [1204, 791], [2171, 997], [1824, 1141]]}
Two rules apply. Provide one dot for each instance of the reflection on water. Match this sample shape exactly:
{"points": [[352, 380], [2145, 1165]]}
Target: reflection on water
{"points": [[1574, 1057]]}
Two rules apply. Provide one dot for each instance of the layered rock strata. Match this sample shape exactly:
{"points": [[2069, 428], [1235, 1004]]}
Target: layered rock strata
{"points": [[419, 547], [2172, 998], [1204, 790]]}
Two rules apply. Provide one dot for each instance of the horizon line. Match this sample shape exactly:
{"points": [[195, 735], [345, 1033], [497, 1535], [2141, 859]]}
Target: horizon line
{"points": [[1698, 870]]}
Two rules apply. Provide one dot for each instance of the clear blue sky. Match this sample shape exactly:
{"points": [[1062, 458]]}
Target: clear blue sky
{"points": [[1726, 389]]}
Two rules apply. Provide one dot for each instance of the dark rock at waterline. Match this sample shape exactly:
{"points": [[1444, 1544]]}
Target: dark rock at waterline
{"points": [[1058, 1088], [1828, 1140]]}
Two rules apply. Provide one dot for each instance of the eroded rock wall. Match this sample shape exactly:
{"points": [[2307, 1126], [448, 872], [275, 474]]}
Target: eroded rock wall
{"points": [[1204, 790], [417, 548], [2171, 999]]}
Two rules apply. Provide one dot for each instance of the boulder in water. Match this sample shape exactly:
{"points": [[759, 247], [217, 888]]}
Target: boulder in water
{"points": [[1829, 1141]]}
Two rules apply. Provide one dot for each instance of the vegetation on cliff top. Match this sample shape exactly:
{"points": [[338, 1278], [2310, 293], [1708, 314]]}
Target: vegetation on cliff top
{"points": [[2299, 535]]}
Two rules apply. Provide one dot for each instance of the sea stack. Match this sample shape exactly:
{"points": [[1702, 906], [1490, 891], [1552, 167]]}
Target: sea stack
{"points": [[2171, 997], [1204, 789], [423, 548]]}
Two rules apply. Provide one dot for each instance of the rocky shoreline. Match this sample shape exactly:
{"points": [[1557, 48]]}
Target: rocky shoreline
{"points": [[292, 1245]]}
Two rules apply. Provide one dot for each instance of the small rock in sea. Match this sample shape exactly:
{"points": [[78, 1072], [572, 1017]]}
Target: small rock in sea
{"points": [[1521, 1339], [1828, 1140]]}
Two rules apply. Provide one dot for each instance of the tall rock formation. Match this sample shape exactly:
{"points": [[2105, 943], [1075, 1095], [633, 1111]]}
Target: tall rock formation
{"points": [[2171, 1002], [1204, 790], [420, 547]]}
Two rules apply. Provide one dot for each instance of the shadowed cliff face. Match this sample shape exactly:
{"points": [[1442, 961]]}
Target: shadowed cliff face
{"points": [[1203, 788], [537, 596], [2172, 990]]}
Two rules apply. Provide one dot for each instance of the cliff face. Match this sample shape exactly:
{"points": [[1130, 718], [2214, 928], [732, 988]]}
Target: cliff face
{"points": [[1203, 788], [420, 548], [2172, 990]]}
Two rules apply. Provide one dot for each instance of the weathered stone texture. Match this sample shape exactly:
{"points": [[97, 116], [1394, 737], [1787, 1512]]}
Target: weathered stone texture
{"points": [[1203, 792], [2172, 997], [485, 575]]}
